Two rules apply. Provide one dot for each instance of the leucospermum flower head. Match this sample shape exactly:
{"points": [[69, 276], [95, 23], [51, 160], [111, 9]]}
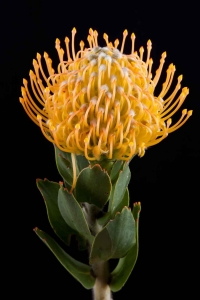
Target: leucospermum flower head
{"points": [[101, 102]]}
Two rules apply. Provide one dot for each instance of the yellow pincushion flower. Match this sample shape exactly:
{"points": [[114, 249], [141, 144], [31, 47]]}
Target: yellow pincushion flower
{"points": [[101, 102]]}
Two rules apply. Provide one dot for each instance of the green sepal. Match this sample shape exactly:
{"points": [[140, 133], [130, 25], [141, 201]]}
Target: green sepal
{"points": [[72, 213], [119, 190], [126, 264], [49, 191], [115, 239], [93, 186], [81, 272]]}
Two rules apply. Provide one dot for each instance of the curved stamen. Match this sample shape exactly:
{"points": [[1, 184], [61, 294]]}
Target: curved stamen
{"points": [[125, 33]]}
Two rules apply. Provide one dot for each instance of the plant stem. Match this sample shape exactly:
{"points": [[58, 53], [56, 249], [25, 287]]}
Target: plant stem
{"points": [[101, 289]]}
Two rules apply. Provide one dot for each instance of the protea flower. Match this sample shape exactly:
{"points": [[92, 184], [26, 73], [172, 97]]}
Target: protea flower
{"points": [[101, 102]]}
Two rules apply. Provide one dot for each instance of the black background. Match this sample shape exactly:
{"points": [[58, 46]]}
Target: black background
{"points": [[165, 180]]}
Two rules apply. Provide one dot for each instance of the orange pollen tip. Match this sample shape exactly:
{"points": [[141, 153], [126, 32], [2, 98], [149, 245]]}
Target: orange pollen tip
{"points": [[184, 111], [190, 112], [25, 82], [38, 56], [77, 126]]}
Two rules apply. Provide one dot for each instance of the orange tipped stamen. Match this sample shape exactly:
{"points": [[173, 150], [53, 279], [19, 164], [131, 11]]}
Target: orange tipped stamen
{"points": [[125, 33]]}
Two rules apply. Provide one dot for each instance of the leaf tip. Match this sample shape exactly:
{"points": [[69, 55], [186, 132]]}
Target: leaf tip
{"points": [[126, 207]]}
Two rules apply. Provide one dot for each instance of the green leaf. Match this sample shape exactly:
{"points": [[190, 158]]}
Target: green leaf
{"points": [[49, 191], [102, 221], [78, 270], [111, 198], [126, 264], [64, 166], [93, 186], [120, 189], [106, 165], [118, 165], [124, 202], [72, 213], [114, 240], [81, 163]]}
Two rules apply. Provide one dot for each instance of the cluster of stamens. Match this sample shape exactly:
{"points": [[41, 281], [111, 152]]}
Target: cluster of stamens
{"points": [[101, 102]]}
